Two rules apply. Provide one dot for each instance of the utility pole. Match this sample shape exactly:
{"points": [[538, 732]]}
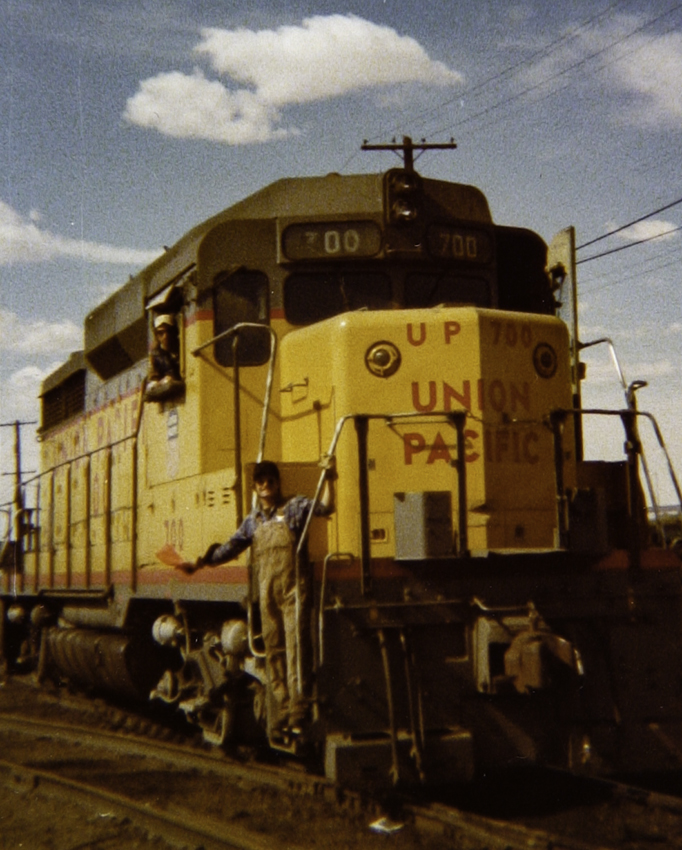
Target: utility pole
{"points": [[18, 500], [408, 147]]}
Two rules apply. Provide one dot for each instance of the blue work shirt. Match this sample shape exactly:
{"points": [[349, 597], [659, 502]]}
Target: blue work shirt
{"points": [[294, 512]]}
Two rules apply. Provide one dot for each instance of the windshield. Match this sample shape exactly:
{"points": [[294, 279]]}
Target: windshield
{"points": [[428, 289], [314, 296]]}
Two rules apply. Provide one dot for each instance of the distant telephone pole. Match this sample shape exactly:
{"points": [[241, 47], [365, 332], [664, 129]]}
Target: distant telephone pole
{"points": [[408, 147], [16, 425]]}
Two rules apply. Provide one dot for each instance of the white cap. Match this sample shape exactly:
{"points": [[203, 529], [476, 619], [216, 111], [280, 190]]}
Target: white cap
{"points": [[164, 319]]}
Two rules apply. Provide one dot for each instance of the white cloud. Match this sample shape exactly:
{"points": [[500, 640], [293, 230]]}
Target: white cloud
{"points": [[22, 241], [652, 73], [38, 336], [651, 229], [185, 106], [28, 379], [624, 57], [324, 57]]}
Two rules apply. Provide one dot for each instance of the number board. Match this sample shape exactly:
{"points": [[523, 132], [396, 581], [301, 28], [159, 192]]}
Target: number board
{"points": [[327, 240], [459, 243]]}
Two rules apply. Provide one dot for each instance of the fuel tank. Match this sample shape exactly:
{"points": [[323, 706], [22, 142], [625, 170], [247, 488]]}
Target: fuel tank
{"points": [[123, 665]]}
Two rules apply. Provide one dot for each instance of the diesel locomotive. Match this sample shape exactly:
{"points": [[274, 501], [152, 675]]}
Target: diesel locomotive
{"points": [[483, 595]]}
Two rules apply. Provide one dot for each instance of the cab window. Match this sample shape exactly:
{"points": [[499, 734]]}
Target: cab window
{"points": [[428, 289], [241, 297], [313, 296]]}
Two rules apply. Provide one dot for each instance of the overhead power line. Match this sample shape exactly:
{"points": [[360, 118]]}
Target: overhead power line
{"points": [[636, 275], [505, 72], [505, 102], [486, 84], [629, 245], [629, 224]]}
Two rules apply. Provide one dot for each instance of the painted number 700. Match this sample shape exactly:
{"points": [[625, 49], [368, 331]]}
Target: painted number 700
{"points": [[511, 333], [175, 532]]}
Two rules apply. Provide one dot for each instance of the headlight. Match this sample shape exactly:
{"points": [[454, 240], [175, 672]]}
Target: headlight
{"points": [[383, 359], [545, 360]]}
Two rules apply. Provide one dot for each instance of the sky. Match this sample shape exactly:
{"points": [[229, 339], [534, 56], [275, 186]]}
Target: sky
{"points": [[124, 124]]}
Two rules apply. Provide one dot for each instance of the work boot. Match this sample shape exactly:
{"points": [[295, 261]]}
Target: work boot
{"points": [[298, 718]]}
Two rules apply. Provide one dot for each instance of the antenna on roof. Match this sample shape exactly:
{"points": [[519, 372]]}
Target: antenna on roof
{"points": [[408, 147]]}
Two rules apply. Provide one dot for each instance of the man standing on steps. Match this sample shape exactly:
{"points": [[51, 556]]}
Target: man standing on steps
{"points": [[273, 530]]}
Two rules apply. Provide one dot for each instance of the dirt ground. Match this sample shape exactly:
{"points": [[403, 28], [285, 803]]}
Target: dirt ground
{"points": [[30, 818]]}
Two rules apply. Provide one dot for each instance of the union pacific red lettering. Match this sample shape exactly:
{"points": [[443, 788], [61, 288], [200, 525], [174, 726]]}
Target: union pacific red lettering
{"points": [[416, 401], [488, 438], [451, 329], [464, 398], [497, 395], [515, 447], [530, 437], [439, 450], [503, 445], [413, 443], [469, 436], [522, 396], [422, 334]]}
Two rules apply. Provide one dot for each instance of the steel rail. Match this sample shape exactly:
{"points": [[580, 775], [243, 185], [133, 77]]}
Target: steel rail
{"points": [[179, 756], [181, 825], [178, 826], [493, 834]]}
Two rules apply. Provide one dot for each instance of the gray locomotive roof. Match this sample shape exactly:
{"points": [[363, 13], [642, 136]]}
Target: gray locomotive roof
{"points": [[287, 198], [75, 363], [300, 197]]}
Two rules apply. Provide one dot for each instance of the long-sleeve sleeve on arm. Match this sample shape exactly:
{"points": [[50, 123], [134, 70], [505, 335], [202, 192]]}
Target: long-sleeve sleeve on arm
{"points": [[240, 540]]}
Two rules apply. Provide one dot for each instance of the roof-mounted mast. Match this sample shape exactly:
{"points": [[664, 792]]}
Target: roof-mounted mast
{"points": [[408, 147]]}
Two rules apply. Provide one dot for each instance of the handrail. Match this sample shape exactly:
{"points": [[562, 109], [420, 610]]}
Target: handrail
{"points": [[6, 540], [628, 417], [657, 432], [448, 416], [631, 402], [88, 456], [332, 556], [456, 418], [234, 331]]}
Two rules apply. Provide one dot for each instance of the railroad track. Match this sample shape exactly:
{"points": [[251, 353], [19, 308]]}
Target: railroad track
{"points": [[188, 797], [92, 768], [132, 779]]}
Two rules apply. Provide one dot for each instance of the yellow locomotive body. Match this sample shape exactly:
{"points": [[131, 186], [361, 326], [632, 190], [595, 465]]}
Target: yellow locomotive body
{"points": [[463, 582]]}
